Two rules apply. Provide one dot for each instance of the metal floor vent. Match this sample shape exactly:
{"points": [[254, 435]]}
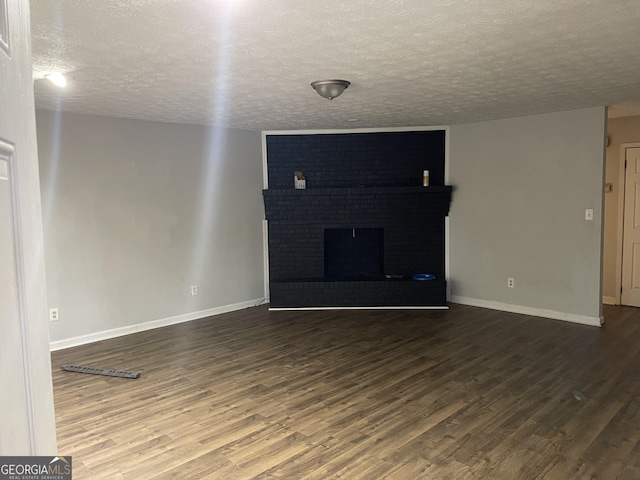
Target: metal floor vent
{"points": [[100, 371]]}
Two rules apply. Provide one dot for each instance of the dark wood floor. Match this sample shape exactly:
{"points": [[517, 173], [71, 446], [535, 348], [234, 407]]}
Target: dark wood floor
{"points": [[468, 393]]}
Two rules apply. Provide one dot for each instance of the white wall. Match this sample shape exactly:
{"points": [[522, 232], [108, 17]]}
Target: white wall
{"points": [[136, 212], [518, 210]]}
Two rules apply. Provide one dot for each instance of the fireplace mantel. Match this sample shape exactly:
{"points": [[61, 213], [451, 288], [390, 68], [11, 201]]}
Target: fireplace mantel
{"points": [[355, 206], [391, 190]]}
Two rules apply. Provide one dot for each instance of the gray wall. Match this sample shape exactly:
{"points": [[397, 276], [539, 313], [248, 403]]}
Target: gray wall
{"points": [[521, 189], [135, 212]]}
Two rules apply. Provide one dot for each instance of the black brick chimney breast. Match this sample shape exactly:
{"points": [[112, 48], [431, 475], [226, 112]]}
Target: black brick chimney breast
{"points": [[367, 181]]}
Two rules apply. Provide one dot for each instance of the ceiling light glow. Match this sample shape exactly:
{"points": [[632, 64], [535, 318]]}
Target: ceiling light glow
{"points": [[57, 79]]}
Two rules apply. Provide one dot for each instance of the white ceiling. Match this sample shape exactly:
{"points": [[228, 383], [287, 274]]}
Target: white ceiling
{"points": [[248, 63]]}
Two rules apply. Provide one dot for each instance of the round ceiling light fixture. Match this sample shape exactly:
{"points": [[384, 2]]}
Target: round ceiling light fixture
{"points": [[330, 89]]}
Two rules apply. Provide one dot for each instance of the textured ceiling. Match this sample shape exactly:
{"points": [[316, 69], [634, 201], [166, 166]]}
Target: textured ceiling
{"points": [[248, 63]]}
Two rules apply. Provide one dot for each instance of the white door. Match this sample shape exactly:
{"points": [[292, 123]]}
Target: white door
{"points": [[27, 422], [631, 232]]}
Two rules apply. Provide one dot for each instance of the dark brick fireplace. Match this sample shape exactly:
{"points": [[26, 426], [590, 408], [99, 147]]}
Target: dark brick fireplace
{"points": [[364, 217]]}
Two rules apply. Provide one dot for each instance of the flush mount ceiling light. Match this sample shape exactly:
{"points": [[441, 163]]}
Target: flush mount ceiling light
{"points": [[57, 79], [330, 88]]}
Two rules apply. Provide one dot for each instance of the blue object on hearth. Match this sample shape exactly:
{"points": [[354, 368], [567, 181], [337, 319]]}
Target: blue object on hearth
{"points": [[424, 276]]}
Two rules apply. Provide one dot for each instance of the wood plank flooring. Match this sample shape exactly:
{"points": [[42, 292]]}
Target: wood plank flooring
{"points": [[461, 394]]}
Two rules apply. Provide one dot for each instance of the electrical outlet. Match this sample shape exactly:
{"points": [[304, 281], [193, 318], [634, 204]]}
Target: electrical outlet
{"points": [[588, 214], [511, 283], [194, 290], [53, 314]]}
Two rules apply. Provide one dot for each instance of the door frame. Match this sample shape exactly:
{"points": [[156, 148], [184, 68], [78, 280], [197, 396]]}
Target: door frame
{"points": [[30, 428], [620, 233]]}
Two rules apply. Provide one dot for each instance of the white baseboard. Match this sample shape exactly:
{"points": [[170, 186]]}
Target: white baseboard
{"points": [[285, 309], [141, 327], [536, 312], [609, 300]]}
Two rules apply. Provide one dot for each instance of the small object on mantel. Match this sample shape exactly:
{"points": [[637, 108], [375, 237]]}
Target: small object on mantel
{"points": [[299, 182], [425, 178]]}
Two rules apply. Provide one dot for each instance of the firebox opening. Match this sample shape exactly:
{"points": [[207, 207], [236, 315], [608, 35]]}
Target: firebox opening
{"points": [[354, 253]]}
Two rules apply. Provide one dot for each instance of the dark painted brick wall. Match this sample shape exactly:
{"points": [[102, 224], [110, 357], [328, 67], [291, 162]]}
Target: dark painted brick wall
{"points": [[412, 219], [370, 180], [357, 159]]}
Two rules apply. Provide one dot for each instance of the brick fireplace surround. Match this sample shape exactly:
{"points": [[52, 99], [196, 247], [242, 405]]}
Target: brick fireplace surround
{"points": [[356, 181]]}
